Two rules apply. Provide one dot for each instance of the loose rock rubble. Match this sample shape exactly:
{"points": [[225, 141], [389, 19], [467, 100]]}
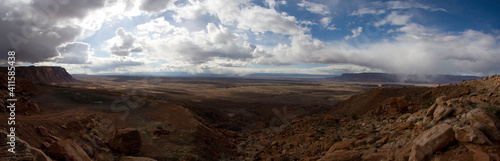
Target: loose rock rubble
{"points": [[455, 122]]}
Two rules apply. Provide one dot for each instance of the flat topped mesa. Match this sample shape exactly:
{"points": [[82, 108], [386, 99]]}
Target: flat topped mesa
{"points": [[43, 74]]}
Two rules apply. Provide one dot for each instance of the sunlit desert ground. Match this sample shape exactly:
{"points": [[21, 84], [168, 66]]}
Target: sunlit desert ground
{"points": [[227, 102]]}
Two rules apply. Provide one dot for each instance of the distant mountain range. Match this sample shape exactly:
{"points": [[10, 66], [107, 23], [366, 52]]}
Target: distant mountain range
{"points": [[402, 78], [47, 75]]}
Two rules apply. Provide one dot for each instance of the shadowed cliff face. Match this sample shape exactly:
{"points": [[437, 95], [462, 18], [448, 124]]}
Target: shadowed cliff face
{"points": [[27, 79], [42, 75], [24, 90]]}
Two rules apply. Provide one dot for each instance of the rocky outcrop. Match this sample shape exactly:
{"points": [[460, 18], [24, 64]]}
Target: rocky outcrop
{"points": [[67, 150], [471, 135], [127, 140], [455, 122], [430, 141], [485, 122], [398, 105], [441, 112], [378, 101]]}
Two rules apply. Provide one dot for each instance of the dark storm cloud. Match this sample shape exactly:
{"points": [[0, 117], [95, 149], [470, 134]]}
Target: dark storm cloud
{"points": [[67, 8], [154, 6], [197, 54], [74, 53], [111, 65], [35, 29]]}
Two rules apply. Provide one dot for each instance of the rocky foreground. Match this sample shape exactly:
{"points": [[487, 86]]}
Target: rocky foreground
{"points": [[455, 122]]}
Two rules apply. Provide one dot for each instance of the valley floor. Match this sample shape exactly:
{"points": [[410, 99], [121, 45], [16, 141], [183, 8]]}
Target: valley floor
{"points": [[265, 119]]}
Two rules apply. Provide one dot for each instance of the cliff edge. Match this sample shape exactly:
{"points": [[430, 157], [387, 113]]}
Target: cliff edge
{"points": [[42, 75]]}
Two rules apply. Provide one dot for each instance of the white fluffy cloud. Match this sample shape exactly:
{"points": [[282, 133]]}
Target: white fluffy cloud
{"points": [[364, 11], [394, 18], [378, 7], [180, 44], [410, 4], [325, 23], [232, 36], [314, 7], [124, 43], [414, 52], [355, 33], [241, 14]]}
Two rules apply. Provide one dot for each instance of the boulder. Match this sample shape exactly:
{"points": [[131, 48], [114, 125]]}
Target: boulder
{"points": [[383, 140], [42, 131], [441, 112], [360, 143], [342, 145], [479, 154], [455, 103], [341, 155], [419, 153], [430, 110], [405, 125], [67, 150], [127, 140], [486, 122], [403, 117], [436, 138], [439, 101], [471, 135], [412, 119]]}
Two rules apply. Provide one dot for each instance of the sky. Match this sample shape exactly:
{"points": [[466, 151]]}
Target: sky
{"points": [[241, 37]]}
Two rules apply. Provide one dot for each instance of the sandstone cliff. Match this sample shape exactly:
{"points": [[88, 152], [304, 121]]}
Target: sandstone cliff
{"points": [[42, 75]]}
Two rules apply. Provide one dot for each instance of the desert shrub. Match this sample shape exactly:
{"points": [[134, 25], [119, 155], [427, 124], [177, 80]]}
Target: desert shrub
{"points": [[336, 120], [495, 110], [285, 158], [429, 101], [497, 113]]}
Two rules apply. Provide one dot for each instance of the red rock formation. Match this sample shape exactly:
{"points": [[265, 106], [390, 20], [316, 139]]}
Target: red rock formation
{"points": [[127, 140], [42, 75], [67, 150]]}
